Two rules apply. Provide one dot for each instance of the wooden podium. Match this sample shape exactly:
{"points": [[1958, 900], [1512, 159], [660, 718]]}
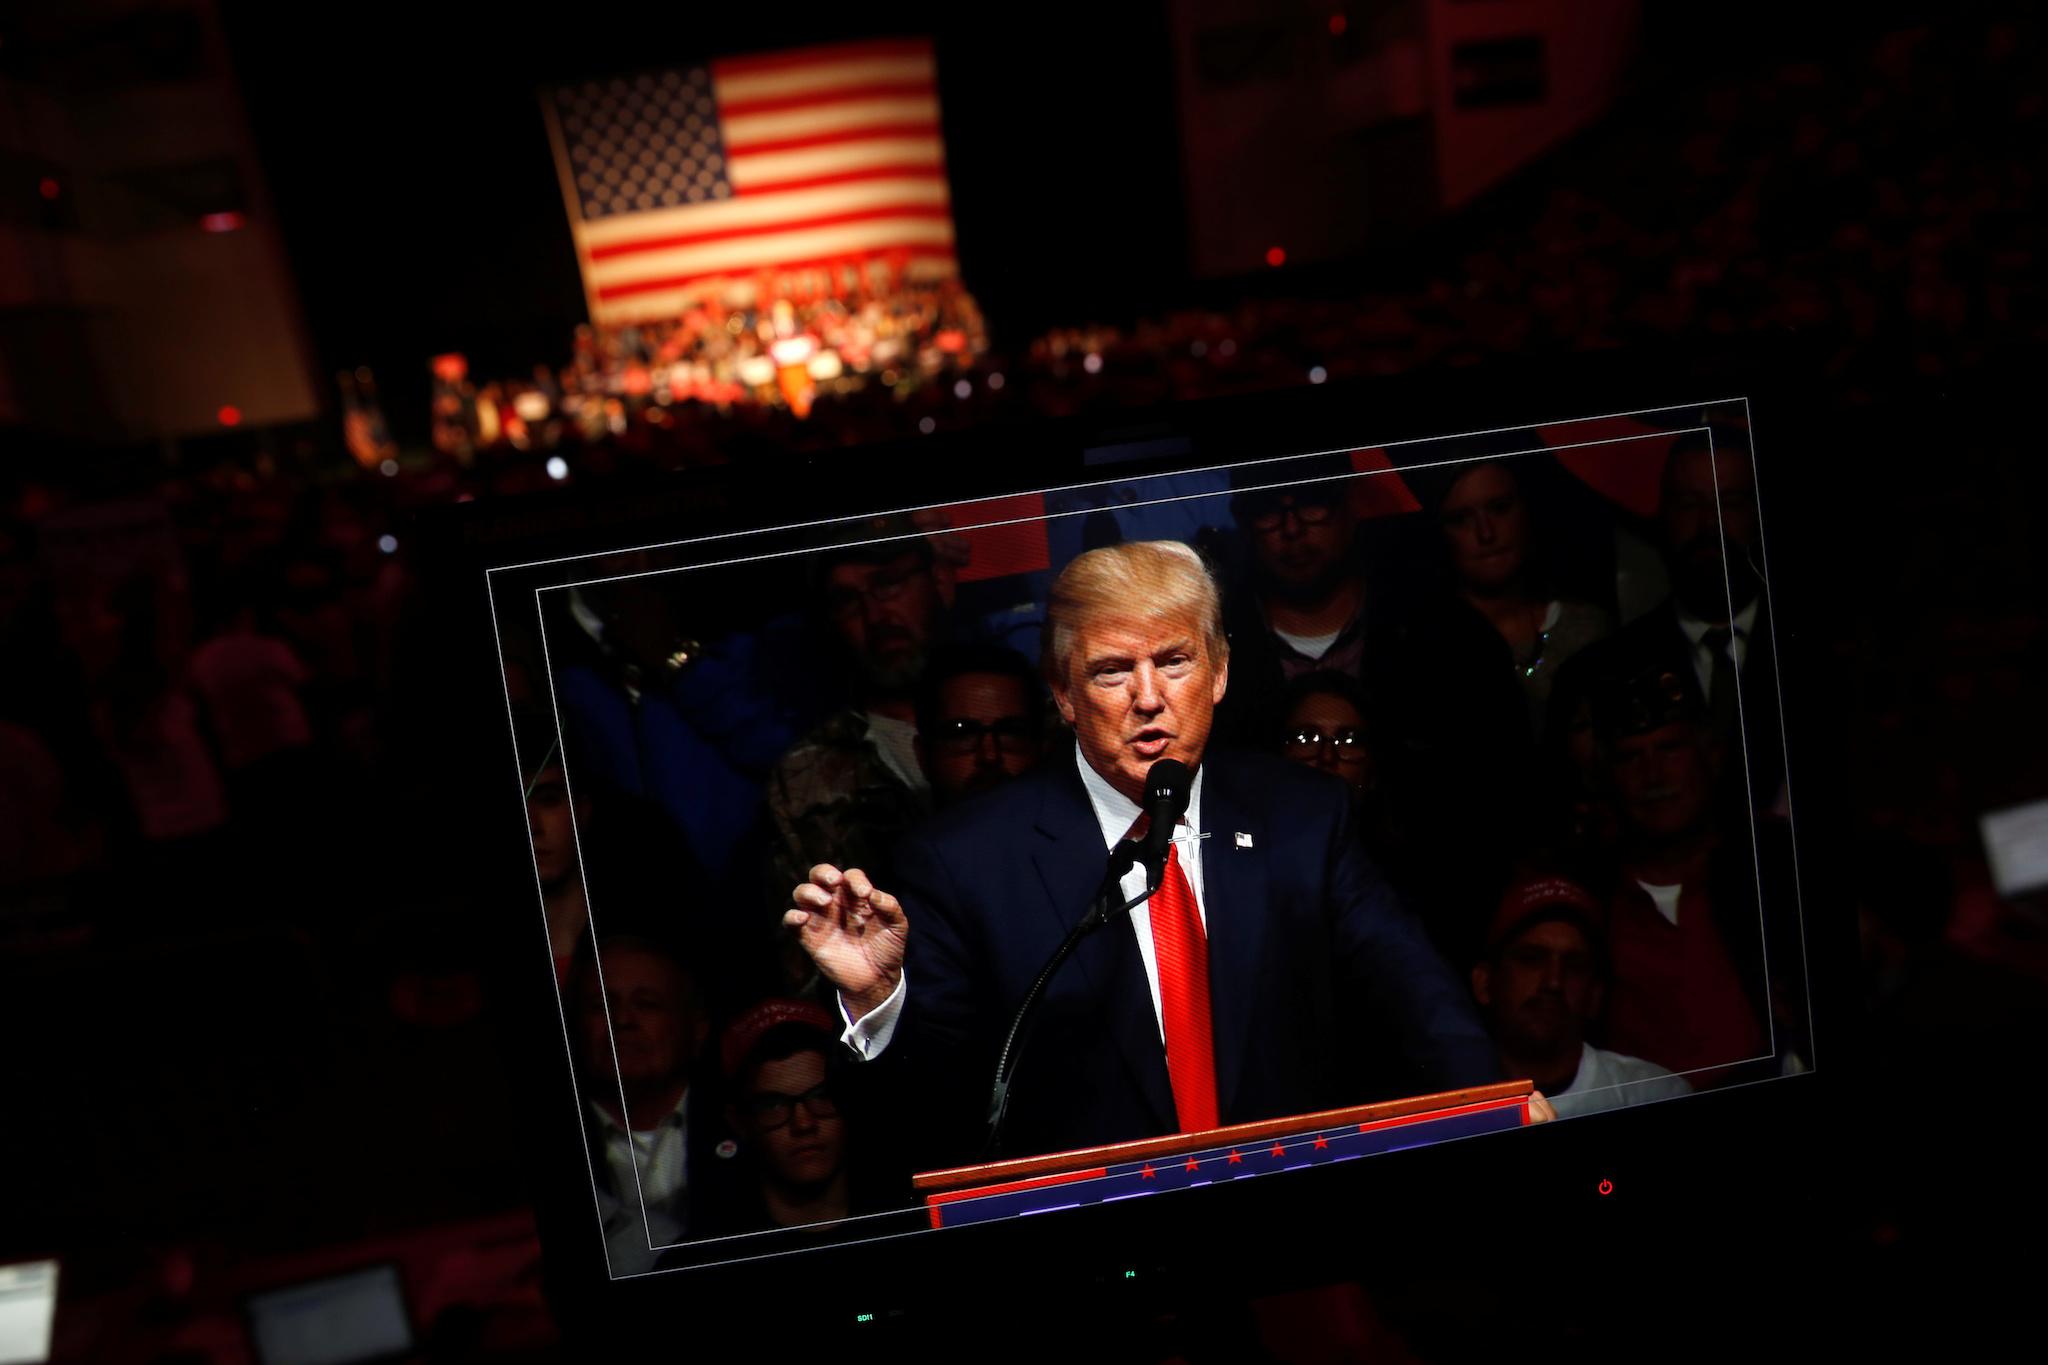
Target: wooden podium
{"points": [[1180, 1161]]}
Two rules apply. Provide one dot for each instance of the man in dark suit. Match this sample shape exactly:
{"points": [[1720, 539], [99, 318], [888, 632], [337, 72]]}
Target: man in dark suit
{"points": [[1714, 631], [1266, 976]]}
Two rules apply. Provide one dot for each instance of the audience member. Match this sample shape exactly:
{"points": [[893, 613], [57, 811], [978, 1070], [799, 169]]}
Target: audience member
{"points": [[552, 819], [1542, 985], [981, 720], [641, 1027], [151, 726], [796, 1159], [1457, 757], [1684, 929], [249, 679], [1714, 631], [848, 790], [1493, 545], [1325, 727]]}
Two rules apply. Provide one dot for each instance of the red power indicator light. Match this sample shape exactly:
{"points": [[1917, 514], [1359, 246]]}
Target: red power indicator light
{"points": [[1607, 1187]]}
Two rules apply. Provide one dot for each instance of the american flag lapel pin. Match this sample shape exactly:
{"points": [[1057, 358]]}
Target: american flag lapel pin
{"points": [[1243, 840]]}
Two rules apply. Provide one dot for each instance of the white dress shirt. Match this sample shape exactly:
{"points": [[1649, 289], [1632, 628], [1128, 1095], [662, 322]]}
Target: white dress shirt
{"points": [[1114, 814], [655, 1161], [1703, 657]]}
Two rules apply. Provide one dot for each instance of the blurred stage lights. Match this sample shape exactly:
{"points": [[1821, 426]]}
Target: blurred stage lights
{"points": [[1276, 255], [388, 544], [963, 389], [1092, 362], [222, 222], [1317, 374], [558, 468], [389, 469], [1227, 346], [995, 379], [229, 415], [49, 188], [927, 425]]}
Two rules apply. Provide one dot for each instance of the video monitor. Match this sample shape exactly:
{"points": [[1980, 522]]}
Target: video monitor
{"points": [[336, 1320], [843, 826]]}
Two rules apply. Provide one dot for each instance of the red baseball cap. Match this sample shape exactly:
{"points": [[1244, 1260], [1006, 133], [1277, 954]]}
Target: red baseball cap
{"points": [[1532, 900], [744, 1032]]}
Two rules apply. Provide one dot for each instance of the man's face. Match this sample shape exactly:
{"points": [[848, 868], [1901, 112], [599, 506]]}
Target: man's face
{"points": [[653, 1026], [987, 733], [810, 1146], [1486, 525], [550, 820], [1325, 731], [1140, 690], [1664, 778], [1693, 530], [1301, 541], [1542, 991], [885, 614]]}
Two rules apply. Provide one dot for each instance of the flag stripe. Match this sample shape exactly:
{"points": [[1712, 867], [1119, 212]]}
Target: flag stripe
{"points": [[618, 236], [770, 250], [937, 212], [900, 172], [827, 119], [923, 263], [747, 171], [682, 281], [927, 128], [731, 108], [820, 56], [766, 84]]}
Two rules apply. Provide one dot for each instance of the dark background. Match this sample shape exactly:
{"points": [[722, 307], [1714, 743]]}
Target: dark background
{"points": [[249, 1069]]}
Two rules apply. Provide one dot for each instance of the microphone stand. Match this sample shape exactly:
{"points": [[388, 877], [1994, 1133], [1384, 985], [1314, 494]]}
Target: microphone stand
{"points": [[1107, 905]]}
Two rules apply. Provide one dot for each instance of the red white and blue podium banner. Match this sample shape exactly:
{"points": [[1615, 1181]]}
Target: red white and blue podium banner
{"points": [[1191, 1160]]}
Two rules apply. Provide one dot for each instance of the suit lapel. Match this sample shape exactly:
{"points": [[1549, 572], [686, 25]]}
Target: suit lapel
{"points": [[1070, 858], [1234, 890]]}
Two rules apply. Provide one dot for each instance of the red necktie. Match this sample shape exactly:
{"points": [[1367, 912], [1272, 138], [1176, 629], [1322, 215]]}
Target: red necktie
{"points": [[1181, 951]]}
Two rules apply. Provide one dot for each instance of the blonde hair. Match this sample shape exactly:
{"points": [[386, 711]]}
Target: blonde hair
{"points": [[1150, 580]]}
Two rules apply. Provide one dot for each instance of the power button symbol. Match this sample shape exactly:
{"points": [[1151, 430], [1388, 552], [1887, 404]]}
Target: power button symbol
{"points": [[1606, 1187]]}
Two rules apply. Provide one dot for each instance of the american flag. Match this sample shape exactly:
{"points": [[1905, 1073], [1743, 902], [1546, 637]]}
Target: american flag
{"points": [[816, 157]]}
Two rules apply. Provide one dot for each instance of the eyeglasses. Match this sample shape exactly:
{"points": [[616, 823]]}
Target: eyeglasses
{"points": [[1307, 513], [1014, 735], [845, 601], [772, 1109], [1347, 743]]}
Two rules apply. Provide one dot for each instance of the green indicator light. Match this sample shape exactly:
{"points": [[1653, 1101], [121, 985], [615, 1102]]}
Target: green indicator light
{"points": [[1130, 1274], [863, 1317]]}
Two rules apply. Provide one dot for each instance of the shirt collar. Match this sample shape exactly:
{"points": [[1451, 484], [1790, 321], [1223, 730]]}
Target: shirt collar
{"points": [[1115, 812], [1742, 625], [678, 1118]]}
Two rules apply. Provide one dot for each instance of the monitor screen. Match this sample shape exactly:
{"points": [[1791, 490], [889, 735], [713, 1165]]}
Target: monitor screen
{"points": [[28, 1311], [837, 824], [333, 1321]]}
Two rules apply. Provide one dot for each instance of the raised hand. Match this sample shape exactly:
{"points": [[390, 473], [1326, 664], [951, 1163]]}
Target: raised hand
{"points": [[854, 931]]}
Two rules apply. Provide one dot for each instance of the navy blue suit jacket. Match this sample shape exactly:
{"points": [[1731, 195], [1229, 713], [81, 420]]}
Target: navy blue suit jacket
{"points": [[1324, 990]]}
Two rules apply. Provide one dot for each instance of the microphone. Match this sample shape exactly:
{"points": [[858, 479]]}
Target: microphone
{"points": [[1167, 788]]}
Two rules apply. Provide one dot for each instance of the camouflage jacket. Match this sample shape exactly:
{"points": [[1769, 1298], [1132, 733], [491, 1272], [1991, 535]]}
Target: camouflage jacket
{"points": [[834, 800]]}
